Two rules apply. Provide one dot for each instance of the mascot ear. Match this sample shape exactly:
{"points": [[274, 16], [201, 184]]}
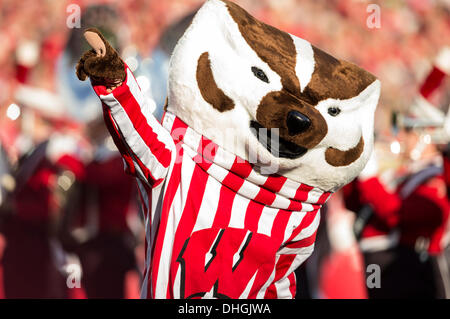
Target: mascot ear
{"points": [[102, 63]]}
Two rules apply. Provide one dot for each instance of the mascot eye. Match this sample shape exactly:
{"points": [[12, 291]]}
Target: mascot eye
{"points": [[334, 111], [260, 74]]}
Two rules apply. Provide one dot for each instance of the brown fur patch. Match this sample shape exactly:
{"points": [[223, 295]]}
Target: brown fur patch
{"points": [[335, 79], [273, 46], [337, 158], [208, 86], [166, 104]]}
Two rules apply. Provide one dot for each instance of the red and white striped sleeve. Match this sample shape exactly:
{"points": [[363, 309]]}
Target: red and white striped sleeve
{"points": [[146, 147]]}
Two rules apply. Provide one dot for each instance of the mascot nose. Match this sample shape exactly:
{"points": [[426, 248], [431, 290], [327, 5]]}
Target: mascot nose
{"points": [[297, 122]]}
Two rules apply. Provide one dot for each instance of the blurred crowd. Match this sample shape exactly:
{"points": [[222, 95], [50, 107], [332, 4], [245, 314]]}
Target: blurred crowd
{"points": [[68, 211]]}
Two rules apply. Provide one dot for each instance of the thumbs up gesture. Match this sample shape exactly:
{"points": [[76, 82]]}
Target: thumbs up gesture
{"points": [[102, 63]]}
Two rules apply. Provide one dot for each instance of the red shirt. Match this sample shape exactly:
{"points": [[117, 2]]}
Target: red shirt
{"points": [[424, 213], [36, 201], [113, 192]]}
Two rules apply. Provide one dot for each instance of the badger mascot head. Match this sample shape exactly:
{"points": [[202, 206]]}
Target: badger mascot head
{"points": [[232, 73]]}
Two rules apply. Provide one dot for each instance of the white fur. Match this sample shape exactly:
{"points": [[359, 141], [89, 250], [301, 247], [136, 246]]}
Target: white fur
{"points": [[305, 61], [213, 30]]}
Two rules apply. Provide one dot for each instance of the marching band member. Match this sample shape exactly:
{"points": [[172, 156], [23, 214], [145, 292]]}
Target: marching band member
{"points": [[405, 223]]}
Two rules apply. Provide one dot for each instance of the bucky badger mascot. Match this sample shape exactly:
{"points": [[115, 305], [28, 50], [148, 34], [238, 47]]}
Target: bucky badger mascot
{"points": [[260, 128]]}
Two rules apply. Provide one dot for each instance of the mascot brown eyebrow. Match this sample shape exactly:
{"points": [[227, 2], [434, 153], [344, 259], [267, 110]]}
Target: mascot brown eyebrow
{"points": [[221, 221]]}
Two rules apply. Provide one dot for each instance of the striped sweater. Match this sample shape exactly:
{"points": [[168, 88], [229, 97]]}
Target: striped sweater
{"points": [[215, 227]]}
